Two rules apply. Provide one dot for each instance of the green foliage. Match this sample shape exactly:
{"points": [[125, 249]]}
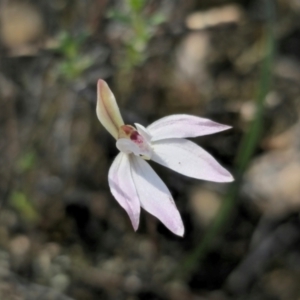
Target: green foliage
{"points": [[21, 204], [74, 63], [26, 162], [136, 5], [140, 28]]}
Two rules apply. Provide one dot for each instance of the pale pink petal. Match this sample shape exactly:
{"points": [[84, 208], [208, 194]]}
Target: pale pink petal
{"points": [[182, 126], [155, 196], [187, 158], [107, 109], [123, 189]]}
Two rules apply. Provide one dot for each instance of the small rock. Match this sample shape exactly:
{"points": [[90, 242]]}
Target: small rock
{"points": [[21, 23], [214, 17], [282, 284], [273, 182], [60, 282], [132, 284], [204, 205], [20, 251], [191, 55], [178, 290]]}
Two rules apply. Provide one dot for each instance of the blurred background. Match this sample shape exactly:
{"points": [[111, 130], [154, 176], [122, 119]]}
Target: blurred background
{"points": [[62, 235]]}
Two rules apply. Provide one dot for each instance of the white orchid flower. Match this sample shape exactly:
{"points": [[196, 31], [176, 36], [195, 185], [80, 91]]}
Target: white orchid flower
{"points": [[133, 182]]}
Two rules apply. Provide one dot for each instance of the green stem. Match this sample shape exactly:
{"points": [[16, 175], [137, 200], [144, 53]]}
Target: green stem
{"points": [[245, 153]]}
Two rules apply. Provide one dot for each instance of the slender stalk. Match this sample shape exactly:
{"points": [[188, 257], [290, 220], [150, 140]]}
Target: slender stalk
{"points": [[246, 148]]}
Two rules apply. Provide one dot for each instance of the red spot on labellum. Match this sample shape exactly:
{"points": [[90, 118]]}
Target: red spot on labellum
{"points": [[134, 136]]}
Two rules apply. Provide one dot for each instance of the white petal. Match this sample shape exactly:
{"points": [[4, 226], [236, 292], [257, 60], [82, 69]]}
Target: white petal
{"points": [[107, 109], [141, 149], [155, 196], [182, 126], [143, 132], [189, 159], [127, 146], [123, 189]]}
